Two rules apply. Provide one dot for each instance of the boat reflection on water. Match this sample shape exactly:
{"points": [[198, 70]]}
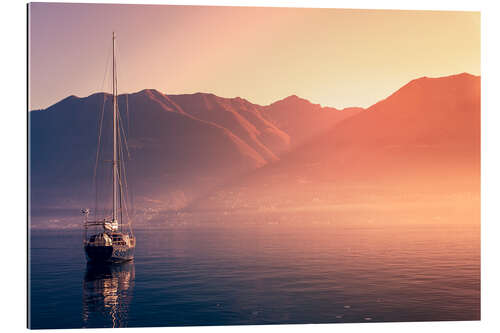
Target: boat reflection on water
{"points": [[107, 292]]}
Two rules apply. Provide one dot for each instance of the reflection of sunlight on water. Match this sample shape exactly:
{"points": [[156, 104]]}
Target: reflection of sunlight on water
{"points": [[399, 262], [107, 292]]}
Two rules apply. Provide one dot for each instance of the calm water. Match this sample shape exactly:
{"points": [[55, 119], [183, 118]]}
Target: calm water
{"points": [[266, 271]]}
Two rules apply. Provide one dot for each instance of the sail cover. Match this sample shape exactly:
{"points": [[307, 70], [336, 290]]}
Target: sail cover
{"points": [[111, 225]]}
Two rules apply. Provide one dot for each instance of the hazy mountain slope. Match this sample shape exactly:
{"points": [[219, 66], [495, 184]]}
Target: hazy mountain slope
{"points": [[303, 120], [241, 117], [426, 110], [426, 121], [172, 153], [423, 141]]}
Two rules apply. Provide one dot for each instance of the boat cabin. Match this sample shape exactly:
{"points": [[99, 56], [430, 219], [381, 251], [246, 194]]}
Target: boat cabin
{"points": [[110, 239]]}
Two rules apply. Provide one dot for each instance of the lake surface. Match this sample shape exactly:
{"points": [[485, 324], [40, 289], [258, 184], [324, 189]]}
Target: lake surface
{"points": [[319, 268]]}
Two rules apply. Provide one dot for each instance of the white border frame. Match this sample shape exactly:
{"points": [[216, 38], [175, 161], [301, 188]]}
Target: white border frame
{"points": [[13, 138]]}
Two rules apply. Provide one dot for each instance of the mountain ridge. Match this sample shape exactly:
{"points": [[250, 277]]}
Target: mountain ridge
{"points": [[185, 146], [423, 138], [462, 74]]}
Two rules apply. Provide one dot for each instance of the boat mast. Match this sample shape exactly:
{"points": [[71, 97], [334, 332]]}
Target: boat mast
{"points": [[115, 160]]}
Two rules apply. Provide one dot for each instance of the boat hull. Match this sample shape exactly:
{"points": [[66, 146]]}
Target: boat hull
{"points": [[108, 254]]}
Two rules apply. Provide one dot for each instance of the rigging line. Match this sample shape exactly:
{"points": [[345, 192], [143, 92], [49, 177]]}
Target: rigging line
{"points": [[119, 122], [127, 190], [123, 176], [120, 146], [106, 67], [98, 150], [116, 72], [129, 200], [116, 89], [119, 175], [117, 56], [121, 200], [100, 124], [128, 116], [121, 180], [121, 169], [121, 132], [124, 136]]}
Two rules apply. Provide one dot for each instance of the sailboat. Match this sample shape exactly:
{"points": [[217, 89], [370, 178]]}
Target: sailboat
{"points": [[110, 239]]}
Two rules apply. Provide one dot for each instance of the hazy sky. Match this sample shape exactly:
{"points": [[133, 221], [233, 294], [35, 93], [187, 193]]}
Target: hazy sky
{"points": [[333, 57]]}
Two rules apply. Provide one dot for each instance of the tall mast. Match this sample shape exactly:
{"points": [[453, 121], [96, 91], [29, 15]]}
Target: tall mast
{"points": [[115, 160]]}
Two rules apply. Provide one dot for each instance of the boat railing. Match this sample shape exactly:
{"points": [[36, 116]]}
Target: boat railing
{"points": [[95, 223]]}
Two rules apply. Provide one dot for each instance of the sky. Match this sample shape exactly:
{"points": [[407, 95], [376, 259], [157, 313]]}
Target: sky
{"points": [[334, 57]]}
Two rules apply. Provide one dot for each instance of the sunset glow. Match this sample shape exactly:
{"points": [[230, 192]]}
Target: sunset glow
{"points": [[253, 166], [334, 57]]}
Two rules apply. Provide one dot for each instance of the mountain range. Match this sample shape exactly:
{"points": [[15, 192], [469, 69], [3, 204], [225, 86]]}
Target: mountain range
{"points": [[420, 144], [189, 151]]}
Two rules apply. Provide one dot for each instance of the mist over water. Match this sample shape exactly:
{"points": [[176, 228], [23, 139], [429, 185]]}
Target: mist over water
{"points": [[407, 264]]}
